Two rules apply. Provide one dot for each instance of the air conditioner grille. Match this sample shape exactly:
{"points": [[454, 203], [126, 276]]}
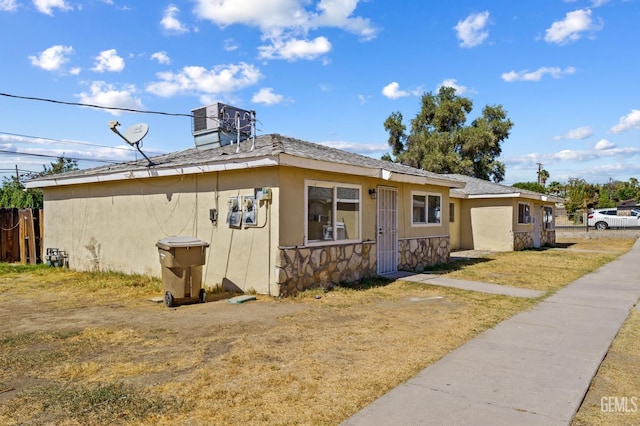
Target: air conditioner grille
{"points": [[200, 119]]}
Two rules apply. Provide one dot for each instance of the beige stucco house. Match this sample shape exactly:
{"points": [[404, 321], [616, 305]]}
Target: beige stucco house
{"points": [[494, 217], [281, 217]]}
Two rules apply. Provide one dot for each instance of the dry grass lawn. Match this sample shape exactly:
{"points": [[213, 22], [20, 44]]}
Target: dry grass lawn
{"points": [[78, 348], [614, 394]]}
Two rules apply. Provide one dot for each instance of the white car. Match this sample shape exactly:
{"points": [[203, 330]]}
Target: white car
{"points": [[613, 218]]}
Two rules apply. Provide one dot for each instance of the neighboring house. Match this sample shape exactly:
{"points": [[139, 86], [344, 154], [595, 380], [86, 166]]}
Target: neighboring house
{"points": [[494, 217], [280, 218]]}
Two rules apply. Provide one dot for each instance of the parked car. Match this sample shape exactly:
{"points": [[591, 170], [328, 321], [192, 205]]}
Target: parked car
{"points": [[613, 218]]}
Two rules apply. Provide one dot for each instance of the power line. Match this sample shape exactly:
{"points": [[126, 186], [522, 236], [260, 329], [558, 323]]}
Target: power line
{"points": [[31, 98], [128, 149], [3, 151]]}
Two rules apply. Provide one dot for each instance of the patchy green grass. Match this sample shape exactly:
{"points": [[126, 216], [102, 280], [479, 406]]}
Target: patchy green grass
{"points": [[111, 403]]}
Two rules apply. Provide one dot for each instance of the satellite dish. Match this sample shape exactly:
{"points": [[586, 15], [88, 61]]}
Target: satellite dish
{"points": [[135, 133]]}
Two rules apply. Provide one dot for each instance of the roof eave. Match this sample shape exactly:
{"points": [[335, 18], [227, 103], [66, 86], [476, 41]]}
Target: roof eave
{"points": [[156, 172], [537, 197], [373, 172]]}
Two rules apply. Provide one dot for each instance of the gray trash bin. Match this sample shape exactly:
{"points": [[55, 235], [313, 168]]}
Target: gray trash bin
{"points": [[181, 259]]}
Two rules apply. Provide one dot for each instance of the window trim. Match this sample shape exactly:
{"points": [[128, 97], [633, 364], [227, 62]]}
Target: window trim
{"points": [[426, 196], [334, 185], [528, 210], [545, 224]]}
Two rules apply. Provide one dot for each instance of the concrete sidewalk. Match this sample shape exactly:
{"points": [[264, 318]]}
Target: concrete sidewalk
{"points": [[533, 369], [435, 279]]}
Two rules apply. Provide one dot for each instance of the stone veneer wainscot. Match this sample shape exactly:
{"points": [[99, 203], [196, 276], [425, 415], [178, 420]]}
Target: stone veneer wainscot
{"points": [[301, 268]]}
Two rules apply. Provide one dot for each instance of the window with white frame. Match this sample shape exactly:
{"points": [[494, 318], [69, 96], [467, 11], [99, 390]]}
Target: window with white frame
{"points": [[548, 217], [426, 208], [333, 212], [524, 213]]}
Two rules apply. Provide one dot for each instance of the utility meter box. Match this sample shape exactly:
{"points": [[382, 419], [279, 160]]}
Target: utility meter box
{"points": [[181, 259]]}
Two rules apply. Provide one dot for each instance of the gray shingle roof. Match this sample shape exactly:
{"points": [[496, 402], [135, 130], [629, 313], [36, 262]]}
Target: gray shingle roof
{"points": [[266, 146], [481, 187]]}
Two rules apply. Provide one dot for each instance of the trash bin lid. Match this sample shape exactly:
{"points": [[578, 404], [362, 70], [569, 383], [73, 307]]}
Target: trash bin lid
{"points": [[173, 242]]}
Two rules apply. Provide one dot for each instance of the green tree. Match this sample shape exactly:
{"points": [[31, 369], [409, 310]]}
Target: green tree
{"points": [[556, 188], [627, 190], [604, 198], [440, 141], [13, 193], [530, 186], [543, 176], [580, 195]]}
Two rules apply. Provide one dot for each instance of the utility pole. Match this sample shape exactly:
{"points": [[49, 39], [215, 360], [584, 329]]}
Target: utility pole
{"points": [[539, 170], [17, 175]]}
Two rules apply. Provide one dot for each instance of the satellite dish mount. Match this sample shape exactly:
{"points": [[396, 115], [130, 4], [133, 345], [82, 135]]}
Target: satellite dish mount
{"points": [[133, 135]]}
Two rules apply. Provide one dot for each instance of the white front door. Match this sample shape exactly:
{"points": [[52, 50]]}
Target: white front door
{"points": [[387, 223]]}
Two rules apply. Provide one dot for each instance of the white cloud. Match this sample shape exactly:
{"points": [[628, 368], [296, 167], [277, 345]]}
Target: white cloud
{"points": [[53, 58], [8, 5], [293, 49], [392, 91], [195, 79], [358, 148], [170, 20], [604, 149], [230, 45], [604, 144], [267, 97], [598, 3], [576, 134], [108, 60], [525, 75], [103, 94], [452, 82], [47, 6], [472, 30], [363, 99], [286, 23], [570, 29], [278, 16], [161, 57], [628, 122], [337, 13]]}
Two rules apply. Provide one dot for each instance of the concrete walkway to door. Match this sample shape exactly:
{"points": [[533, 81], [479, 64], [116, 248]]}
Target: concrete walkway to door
{"points": [[532, 369]]}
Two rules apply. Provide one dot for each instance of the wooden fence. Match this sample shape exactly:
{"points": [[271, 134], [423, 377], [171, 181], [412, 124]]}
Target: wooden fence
{"points": [[21, 232]]}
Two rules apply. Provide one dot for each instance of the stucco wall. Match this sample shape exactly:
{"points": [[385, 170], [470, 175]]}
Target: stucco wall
{"points": [[115, 225], [491, 228], [455, 227], [492, 224]]}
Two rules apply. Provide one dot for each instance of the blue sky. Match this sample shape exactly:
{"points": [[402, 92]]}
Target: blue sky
{"points": [[325, 71]]}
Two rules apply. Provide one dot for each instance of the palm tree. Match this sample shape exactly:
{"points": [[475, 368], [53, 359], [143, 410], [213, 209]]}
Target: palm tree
{"points": [[543, 175]]}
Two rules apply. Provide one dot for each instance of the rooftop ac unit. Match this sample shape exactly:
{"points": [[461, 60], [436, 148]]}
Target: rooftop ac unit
{"points": [[219, 124]]}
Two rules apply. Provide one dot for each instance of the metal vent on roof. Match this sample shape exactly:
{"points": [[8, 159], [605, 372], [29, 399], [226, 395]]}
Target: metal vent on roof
{"points": [[219, 125], [199, 119]]}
